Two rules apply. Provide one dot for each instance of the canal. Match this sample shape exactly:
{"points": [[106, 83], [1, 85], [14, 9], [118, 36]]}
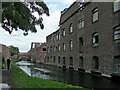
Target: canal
{"points": [[67, 76]]}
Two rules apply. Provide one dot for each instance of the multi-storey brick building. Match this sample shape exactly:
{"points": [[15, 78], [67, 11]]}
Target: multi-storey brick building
{"points": [[38, 52], [4, 52], [89, 38]]}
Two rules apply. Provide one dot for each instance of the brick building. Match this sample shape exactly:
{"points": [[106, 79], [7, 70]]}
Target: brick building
{"points": [[4, 52], [88, 38], [38, 52]]}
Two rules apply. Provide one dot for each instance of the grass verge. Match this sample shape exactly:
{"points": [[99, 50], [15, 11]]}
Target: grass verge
{"points": [[21, 80]]}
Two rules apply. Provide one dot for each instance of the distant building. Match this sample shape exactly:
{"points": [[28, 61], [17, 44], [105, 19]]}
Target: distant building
{"points": [[4, 52], [22, 56], [38, 53], [88, 38]]}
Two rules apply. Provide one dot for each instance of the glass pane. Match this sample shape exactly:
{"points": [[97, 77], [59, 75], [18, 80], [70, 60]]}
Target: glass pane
{"points": [[95, 16], [93, 39], [116, 5], [117, 36], [82, 23]]}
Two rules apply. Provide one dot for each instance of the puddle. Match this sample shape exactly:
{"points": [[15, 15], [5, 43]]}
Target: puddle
{"points": [[4, 85]]}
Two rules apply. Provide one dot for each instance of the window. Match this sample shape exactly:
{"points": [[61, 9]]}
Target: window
{"points": [[63, 60], [47, 49], [116, 5], [44, 49], [54, 48], [54, 39], [71, 61], [80, 44], [51, 59], [58, 59], [58, 36], [117, 64], [71, 45], [117, 34], [81, 23], [58, 47], [64, 32], [95, 39], [51, 49], [71, 28], [95, 62], [63, 46], [95, 15], [81, 62], [54, 59]]}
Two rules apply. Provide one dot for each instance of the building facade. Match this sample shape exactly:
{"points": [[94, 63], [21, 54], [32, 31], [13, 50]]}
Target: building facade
{"points": [[88, 38], [4, 52], [38, 52]]}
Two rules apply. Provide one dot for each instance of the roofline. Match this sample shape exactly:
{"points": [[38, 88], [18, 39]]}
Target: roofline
{"points": [[53, 32], [73, 13]]}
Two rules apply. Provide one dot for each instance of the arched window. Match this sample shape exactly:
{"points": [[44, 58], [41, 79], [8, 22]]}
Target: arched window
{"points": [[71, 28], [95, 15], [81, 23], [54, 59], [51, 49], [58, 47], [71, 45], [63, 46], [95, 62], [95, 39], [51, 59], [64, 32], [116, 5], [63, 60], [117, 34], [81, 62], [117, 64], [71, 61], [47, 49], [58, 59]]}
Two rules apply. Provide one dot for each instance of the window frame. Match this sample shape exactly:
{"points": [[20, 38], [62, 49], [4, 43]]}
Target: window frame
{"points": [[95, 63], [71, 61], [116, 28], [63, 47], [71, 45], [93, 12], [59, 60], [118, 9], [71, 25], [94, 44], [81, 23]]}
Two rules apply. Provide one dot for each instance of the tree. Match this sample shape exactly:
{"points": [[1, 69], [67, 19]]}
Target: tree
{"points": [[19, 15], [13, 50]]}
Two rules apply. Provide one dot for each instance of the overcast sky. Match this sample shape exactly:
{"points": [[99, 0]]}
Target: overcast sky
{"points": [[51, 24]]}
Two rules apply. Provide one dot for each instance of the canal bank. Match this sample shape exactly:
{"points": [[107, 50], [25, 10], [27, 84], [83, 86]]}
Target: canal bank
{"points": [[71, 77], [21, 80]]}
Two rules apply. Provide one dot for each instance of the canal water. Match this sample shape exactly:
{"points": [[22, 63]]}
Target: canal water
{"points": [[67, 76]]}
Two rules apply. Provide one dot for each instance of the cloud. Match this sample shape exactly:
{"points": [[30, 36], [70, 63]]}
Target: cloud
{"points": [[50, 25], [24, 42], [61, 1], [68, 1]]}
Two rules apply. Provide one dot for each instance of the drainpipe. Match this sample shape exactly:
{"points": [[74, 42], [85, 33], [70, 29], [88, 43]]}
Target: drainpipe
{"points": [[31, 59]]}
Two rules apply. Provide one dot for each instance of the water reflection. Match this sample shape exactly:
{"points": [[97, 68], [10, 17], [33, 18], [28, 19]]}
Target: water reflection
{"points": [[69, 76]]}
